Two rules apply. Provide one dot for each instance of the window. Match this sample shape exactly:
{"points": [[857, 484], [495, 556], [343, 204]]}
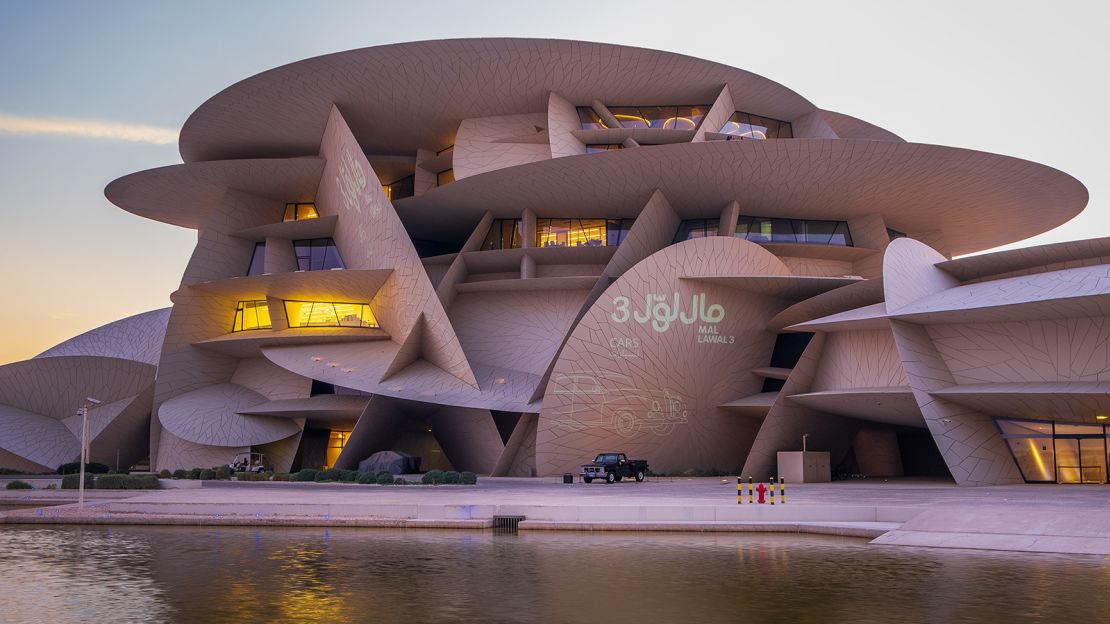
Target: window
{"points": [[336, 441], [665, 117], [616, 230], [251, 315], [317, 254], [443, 178], [503, 234], [329, 314], [603, 147], [808, 231], [589, 119], [400, 189], [570, 232], [300, 212], [696, 228], [747, 126], [258, 260]]}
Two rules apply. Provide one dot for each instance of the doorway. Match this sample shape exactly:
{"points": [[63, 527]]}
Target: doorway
{"points": [[1080, 459]]}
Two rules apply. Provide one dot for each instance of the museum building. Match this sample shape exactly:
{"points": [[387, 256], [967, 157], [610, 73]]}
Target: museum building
{"points": [[508, 255]]}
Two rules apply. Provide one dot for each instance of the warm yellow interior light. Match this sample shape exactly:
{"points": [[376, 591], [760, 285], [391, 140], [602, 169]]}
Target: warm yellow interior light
{"points": [[1100, 417], [251, 315], [329, 314]]}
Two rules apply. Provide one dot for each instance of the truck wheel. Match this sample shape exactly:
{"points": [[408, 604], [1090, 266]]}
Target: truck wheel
{"points": [[639, 476], [588, 479], [610, 478]]}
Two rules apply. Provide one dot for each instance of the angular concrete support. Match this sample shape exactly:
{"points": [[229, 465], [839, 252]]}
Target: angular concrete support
{"points": [[606, 115], [730, 216], [786, 423], [718, 114], [562, 120]]}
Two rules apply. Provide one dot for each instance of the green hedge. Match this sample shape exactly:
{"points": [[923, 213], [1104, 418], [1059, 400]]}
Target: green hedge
{"points": [[252, 476], [281, 476], [367, 478], [195, 473], [223, 472], [207, 474], [180, 473], [325, 476], [451, 477], [165, 474], [432, 477], [468, 478], [18, 485], [126, 482], [307, 474], [70, 482], [384, 478]]}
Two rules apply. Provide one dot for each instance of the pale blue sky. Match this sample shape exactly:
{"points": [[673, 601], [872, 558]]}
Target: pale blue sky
{"points": [[1026, 79]]}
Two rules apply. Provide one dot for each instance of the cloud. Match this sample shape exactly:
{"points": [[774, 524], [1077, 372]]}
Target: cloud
{"points": [[87, 128]]}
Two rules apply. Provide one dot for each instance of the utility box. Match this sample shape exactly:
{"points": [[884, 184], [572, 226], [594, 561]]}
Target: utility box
{"points": [[804, 466]]}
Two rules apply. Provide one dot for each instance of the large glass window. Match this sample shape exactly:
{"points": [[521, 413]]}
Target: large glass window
{"points": [[589, 119], [258, 260], [1056, 452], [665, 117], [808, 231], [300, 212], [400, 189], [571, 233], [317, 254], [503, 234], [251, 315], [747, 126], [696, 228], [336, 441], [329, 314]]}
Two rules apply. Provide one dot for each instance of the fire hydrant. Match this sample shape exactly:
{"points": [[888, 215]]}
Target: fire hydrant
{"points": [[762, 491]]}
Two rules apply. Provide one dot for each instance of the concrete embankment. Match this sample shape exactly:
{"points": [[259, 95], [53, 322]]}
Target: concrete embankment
{"points": [[932, 514]]}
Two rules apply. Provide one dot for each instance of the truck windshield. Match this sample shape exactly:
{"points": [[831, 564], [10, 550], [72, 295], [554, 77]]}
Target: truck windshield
{"points": [[606, 457]]}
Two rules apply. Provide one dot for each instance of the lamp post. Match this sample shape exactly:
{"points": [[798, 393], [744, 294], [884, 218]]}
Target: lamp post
{"points": [[84, 411]]}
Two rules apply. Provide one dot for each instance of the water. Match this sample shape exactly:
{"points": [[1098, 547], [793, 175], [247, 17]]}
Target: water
{"points": [[247, 576]]}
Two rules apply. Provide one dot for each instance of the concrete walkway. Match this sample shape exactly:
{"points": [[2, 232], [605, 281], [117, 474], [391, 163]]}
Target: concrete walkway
{"points": [[903, 512]]}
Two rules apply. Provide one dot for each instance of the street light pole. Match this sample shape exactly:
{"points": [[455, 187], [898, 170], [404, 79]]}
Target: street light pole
{"points": [[84, 449]]}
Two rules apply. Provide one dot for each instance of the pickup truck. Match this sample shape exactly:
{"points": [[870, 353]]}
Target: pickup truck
{"points": [[613, 467]]}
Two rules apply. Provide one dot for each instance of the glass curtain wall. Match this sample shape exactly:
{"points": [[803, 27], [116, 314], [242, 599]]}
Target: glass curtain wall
{"points": [[317, 254], [251, 315], [747, 126], [571, 232], [258, 260], [1056, 452], [300, 212], [503, 234], [663, 117], [696, 228], [807, 231], [329, 314]]}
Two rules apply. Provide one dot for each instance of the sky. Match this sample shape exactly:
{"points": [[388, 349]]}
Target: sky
{"points": [[91, 91]]}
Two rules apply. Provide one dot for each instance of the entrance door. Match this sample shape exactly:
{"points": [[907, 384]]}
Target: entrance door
{"points": [[1080, 460]]}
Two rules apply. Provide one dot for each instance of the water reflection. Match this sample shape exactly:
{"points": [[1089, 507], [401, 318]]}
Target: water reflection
{"points": [[150, 574]]}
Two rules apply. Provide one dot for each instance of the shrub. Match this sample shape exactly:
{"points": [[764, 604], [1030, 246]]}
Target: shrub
{"points": [[468, 478], [282, 476], [111, 482], [207, 474], [325, 476], [140, 482], [18, 485], [348, 476], [252, 476], [384, 478], [367, 478], [195, 473], [451, 477], [165, 474], [180, 473], [432, 477], [400, 481], [75, 468], [223, 472], [71, 481], [307, 474]]}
